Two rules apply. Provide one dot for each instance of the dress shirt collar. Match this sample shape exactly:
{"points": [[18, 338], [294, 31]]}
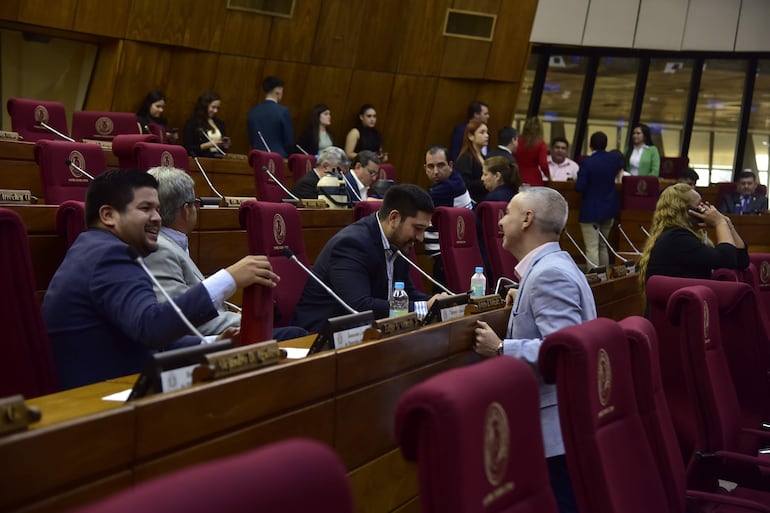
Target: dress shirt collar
{"points": [[389, 252], [525, 263], [504, 148], [177, 236], [362, 189]]}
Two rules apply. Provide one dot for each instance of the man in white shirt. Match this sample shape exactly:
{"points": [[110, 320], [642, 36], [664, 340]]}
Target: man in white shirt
{"points": [[562, 168], [366, 167]]}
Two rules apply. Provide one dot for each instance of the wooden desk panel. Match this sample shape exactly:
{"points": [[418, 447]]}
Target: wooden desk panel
{"points": [[388, 483]]}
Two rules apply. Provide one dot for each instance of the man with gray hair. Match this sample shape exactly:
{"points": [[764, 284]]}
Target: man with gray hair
{"points": [[553, 294], [329, 160], [171, 263]]}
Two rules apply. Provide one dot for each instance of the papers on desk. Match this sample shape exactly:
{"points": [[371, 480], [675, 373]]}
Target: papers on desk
{"points": [[121, 396], [295, 353]]}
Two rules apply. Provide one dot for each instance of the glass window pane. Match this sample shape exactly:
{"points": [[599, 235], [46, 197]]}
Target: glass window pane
{"points": [[561, 95], [758, 144], [665, 102], [611, 100], [717, 113], [525, 92]]}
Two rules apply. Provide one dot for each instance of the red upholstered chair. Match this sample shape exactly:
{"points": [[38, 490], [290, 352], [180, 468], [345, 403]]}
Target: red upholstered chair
{"points": [[270, 227], [761, 261], [102, 126], [640, 192], [60, 181], [267, 190], [671, 167], [26, 116], [71, 220], [123, 148], [653, 409], [29, 368], [293, 476], [158, 131], [387, 172], [149, 155], [300, 165], [459, 246], [475, 433], [501, 261]]}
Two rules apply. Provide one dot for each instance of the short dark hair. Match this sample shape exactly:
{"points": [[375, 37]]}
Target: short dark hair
{"points": [[407, 199], [747, 174], [475, 108], [364, 157], [116, 189], [689, 173], [506, 135], [270, 83], [598, 141], [437, 148], [560, 139]]}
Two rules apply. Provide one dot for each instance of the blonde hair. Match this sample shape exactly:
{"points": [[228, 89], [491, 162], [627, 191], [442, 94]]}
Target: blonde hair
{"points": [[670, 212]]}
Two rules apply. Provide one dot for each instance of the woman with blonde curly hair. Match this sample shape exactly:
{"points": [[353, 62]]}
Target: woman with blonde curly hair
{"points": [[678, 245]]}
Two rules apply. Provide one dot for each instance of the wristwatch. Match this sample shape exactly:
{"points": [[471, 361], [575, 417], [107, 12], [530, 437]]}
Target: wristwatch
{"points": [[500, 349]]}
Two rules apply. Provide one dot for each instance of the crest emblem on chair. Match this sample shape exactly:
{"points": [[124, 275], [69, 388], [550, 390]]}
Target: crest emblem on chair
{"points": [[641, 188], [604, 377], [308, 166], [500, 215], [104, 126], [166, 159], [497, 439], [271, 167], [279, 229], [764, 272], [460, 229], [78, 160], [41, 114]]}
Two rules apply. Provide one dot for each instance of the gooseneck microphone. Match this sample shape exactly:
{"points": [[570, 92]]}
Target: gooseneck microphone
{"points": [[288, 253], [430, 278], [212, 142], [592, 264], [501, 279], [645, 231], [279, 184], [625, 236], [206, 177], [609, 246], [264, 142], [54, 131], [298, 147], [80, 169], [134, 255]]}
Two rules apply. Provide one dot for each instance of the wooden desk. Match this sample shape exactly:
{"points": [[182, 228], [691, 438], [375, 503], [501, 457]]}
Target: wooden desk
{"points": [[345, 398]]}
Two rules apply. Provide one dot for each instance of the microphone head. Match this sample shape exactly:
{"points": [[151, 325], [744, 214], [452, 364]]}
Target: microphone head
{"points": [[287, 252], [132, 253], [68, 162], [596, 226]]}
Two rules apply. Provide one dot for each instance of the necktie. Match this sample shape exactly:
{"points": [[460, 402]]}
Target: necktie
{"points": [[744, 204]]}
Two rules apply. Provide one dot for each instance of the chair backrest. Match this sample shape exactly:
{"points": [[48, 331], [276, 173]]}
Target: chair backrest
{"points": [[460, 252], [475, 433], [159, 131], [270, 227], [149, 155], [501, 261], [62, 182], [71, 220], [26, 116], [267, 190], [29, 368], [123, 148], [102, 125], [761, 263], [265, 479], [387, 172], [300, 165], [640, 192], [591, 367], [670, 167]]}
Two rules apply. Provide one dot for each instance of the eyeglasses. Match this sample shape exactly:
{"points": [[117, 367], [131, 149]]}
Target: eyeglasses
{"points": [[194, 202], [373, 172], [440, 166]]}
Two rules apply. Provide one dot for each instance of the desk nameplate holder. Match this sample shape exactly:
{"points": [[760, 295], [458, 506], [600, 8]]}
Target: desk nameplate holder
{"points": [[15, 197], [235, 201], [238, 360], [484, 304], [234, 156], [312, 203], [5, 135], [618, 271], [392, 326], [105, 145], [15, 415]]}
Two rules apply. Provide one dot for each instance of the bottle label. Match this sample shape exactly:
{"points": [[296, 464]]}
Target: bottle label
{"points": [[394, 313], [477, 290]]}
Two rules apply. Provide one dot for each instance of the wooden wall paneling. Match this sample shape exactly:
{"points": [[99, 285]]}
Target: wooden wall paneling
{"points": [[464, 58], [101, 89], [501, 98], [292, 39], [204, 24], [423, 42], [382, 28], [412, 506], [295, 75], [160, 22], [365, 87], [9, 9], [385, 484], [329, 85], [143, 67], [102, 18], [48, 14], [190, 73], [338, 33], [509, 52], [245, 33], [405, 132], [238, 80]]}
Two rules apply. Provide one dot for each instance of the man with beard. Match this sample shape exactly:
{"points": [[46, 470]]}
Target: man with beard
{"points": [[361, 265]]}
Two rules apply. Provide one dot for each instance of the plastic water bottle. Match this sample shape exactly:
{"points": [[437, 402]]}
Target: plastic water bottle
{"points": [[399, 301], [478, 283]]}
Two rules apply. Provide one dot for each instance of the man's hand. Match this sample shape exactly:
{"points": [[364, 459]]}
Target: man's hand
{"points": [[435, 297], [253, 269], [231, 333], [487, 340], [510, 297]]}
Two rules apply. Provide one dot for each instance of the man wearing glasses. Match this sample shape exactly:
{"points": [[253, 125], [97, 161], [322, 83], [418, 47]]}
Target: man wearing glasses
{"points": [[366, 167], [177, 273]]}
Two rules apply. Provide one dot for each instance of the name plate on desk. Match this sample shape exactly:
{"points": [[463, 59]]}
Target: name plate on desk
{"points": [[9, 136], [312, 203], [391, 326], [484, 304], [618, 271], [105, 145], [235, 156], [235, 201], [452, 312], [15, 196], [240, 359]]}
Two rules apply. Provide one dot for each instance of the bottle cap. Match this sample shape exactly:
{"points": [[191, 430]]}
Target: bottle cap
{"points": [[480, 270], [399, 285]]}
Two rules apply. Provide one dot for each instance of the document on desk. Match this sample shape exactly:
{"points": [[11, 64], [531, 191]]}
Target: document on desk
{"points": [[121, 396], [295, 353]]}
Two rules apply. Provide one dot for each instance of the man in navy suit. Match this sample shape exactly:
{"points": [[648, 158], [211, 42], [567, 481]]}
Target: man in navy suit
{"points": [[476, 110], [271, 120], [745, 200], [360, 263], [366, 167], [100, 308]]}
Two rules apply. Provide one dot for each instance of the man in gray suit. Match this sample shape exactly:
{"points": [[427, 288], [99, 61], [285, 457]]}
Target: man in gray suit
{"points": [[552, 294], [171, 263]]}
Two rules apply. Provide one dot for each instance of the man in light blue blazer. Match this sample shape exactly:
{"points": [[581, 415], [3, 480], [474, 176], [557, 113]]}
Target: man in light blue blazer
{"points": [[552, 294]]}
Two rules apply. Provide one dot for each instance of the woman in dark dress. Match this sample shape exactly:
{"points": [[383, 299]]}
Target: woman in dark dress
{"points": [[364, 136], [204, 132], [150, 117], [470, 161]]}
